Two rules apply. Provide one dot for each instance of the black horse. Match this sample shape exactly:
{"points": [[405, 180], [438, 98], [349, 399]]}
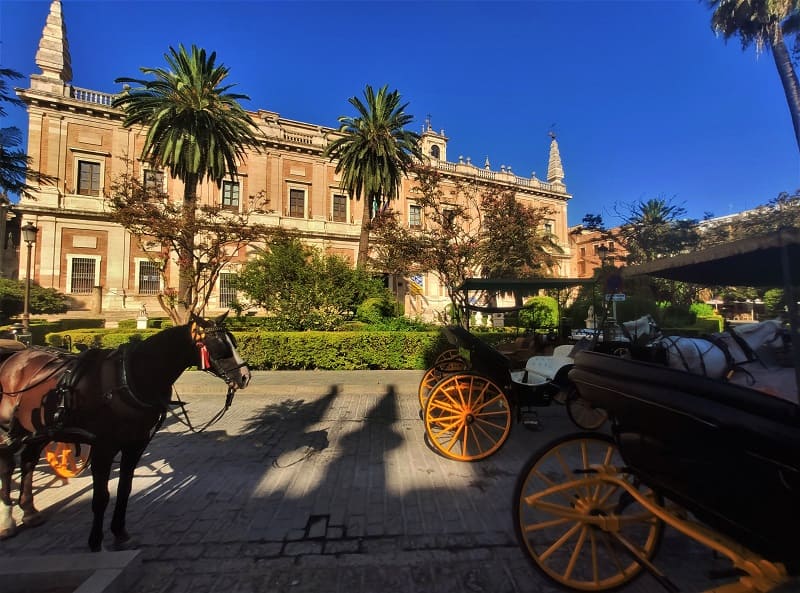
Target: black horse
{"points": [[113, 400]]}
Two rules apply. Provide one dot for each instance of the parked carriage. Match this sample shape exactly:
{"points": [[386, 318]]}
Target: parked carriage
{"points": [[470, 394], [718, 462]]}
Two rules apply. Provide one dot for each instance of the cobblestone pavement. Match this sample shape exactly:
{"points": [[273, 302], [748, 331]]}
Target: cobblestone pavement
{"points": [[321, 481]]}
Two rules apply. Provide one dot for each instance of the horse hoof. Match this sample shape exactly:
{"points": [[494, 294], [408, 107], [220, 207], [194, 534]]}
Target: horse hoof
{"points": [[33, 520], [8, 532]]}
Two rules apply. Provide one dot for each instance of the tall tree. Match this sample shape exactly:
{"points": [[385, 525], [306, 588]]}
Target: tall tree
{"points": [[14, 160], [374, 153], [218, 237], [764, 23], [196, 128]]}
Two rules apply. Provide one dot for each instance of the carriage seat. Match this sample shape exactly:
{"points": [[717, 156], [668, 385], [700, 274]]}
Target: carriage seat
{"points": [[548, 366]]}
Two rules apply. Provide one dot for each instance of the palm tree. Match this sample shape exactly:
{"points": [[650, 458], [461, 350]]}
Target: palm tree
{"points": [[764, 23], [195, 128], [374, 154], [13, 159]]}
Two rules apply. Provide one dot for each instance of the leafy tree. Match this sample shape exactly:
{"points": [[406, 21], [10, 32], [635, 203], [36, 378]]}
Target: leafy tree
{"points": [[469, 230], [374, 154], [763, 23], [303, 288], [515, 242], [780, 212], [196, 128], [774, 302], [539, 311], [210, 239]]}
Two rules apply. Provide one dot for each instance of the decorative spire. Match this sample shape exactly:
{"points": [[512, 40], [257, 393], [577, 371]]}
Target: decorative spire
{"points": [[555, 171], [53, 54], [486, 164]]}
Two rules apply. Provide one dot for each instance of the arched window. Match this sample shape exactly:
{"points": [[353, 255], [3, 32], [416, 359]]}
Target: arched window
{"points": [[435, 151]]}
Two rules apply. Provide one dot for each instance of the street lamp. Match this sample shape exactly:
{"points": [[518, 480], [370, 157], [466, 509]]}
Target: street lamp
{"points": [[29, 232]]}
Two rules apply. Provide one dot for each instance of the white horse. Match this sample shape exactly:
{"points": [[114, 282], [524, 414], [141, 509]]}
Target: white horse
{"points": [[641, 331], [722, 354]]}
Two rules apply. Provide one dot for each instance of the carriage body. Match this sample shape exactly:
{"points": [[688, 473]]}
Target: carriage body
{"points": [[473, 393], [717, 461], [727, 453]]}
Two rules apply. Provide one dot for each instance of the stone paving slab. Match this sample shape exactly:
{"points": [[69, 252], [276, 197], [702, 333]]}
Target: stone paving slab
{"points": [[320, 481]]}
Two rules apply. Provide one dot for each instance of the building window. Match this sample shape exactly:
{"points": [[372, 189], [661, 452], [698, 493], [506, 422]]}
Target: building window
{"points": [[230, 194], [149, 277], [297, 203], [83, 274], [415, 216], [227, 292], [154, 180], [435, 151], [611, 245], [549, 227], [88, 178], [583, 251], [339, 208]]}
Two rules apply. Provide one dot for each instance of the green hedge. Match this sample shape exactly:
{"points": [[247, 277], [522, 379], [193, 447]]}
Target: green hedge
{"points": [[265, 350]]}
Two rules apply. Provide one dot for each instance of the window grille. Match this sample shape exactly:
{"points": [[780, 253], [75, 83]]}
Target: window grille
{"points": [[149, 278], [83, 275], [154, 180], [227, 292], [415, 217]]}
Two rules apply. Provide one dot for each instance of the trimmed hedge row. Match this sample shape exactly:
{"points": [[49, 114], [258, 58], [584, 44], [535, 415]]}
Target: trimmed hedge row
{"points": [[265, 350]]}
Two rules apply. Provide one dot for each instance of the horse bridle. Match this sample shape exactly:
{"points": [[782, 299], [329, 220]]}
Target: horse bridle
{"points": [[211, 364]]}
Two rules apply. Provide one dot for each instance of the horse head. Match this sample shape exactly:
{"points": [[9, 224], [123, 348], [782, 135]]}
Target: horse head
{"points": [[217, 351]]}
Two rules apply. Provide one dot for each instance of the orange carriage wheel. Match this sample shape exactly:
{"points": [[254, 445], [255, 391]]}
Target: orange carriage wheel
{"points": [[433, 375], [582, 413], [68, 460], [467, 417], [550, 504]]}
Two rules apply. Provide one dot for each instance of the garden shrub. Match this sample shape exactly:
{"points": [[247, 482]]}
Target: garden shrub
{"points": [[539, 311]]}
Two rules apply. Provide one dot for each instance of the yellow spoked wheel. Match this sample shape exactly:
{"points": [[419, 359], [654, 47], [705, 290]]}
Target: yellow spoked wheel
{"points": [[582, 413], [449, 355], [574, 527], [467, 417], [68, 460], [434, 374]]}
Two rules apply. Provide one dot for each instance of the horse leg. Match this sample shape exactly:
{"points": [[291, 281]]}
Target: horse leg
{"points": [[29, 457], [101, 471], [130, 458], [8, 526]]}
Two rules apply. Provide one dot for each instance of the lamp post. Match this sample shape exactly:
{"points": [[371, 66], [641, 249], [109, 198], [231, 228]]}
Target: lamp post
{"points": [[602, 252], [29, 232]]}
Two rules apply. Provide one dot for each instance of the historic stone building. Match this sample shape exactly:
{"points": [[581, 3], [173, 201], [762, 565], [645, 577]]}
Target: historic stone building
{"points": [[76, 137]]}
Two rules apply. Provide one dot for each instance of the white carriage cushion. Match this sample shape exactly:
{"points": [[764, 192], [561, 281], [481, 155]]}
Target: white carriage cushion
{"points": [[547, 366]]}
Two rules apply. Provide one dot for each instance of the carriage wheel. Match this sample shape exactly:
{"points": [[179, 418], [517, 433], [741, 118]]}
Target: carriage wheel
{"points": [[68, 460], [582, 413], [575, 553], [434, 374], [467, 417], [447, 356]]}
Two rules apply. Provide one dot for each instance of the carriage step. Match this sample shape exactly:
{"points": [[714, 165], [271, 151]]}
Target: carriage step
{"points": [[530, 419]]}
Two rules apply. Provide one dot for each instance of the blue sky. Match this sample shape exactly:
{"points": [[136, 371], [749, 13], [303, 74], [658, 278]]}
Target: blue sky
{"points": [[645, 100]]}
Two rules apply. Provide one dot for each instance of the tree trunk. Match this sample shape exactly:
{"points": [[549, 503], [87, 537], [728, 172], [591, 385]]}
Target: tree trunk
{"points": [[791, 88], [363, 238], [186, 252]]}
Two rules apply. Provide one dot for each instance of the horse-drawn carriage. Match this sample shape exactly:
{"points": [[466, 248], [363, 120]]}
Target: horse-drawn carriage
{"points": [[472, 391], [716, 461]]}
